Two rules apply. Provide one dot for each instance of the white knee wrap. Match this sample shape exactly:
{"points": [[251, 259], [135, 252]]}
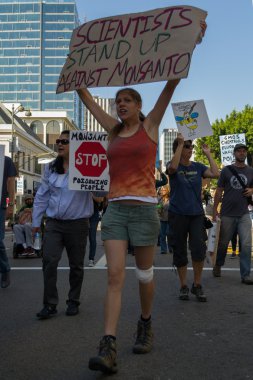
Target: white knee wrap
{"points": [[144, 275]]}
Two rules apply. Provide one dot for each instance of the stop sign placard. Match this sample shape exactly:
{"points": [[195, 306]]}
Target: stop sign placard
{"points": [[90, 159]]}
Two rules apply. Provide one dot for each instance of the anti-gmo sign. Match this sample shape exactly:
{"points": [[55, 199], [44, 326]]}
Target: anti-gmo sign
{"points": [[88, 166], [90, 159]]}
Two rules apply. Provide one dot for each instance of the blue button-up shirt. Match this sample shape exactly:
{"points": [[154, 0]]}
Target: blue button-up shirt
{"points": [[54, 199]]}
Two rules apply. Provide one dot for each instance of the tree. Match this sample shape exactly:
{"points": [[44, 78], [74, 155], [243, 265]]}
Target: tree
{"points": [[236, 122]]}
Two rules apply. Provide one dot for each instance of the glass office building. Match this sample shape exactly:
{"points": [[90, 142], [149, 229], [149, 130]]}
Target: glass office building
{"points": [[165, 144], [34, 42]]}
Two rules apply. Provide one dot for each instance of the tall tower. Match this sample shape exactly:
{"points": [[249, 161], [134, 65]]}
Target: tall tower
{"points": [[34, 43], [108, 105], [166, 141]]}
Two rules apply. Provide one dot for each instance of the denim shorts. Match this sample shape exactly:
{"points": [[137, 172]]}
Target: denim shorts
{"points": [[138, 224]]}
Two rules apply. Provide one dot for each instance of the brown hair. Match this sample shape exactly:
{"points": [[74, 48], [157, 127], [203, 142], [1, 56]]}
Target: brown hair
{"points": [[175, 145], [137, 98]]}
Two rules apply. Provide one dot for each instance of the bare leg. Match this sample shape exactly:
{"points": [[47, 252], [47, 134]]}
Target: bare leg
{"points": [[144, 257], [182, 273], [197, 271], [116, 255]]}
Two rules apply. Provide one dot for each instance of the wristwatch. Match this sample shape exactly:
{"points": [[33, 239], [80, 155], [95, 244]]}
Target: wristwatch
{"points": [[11, 204]]}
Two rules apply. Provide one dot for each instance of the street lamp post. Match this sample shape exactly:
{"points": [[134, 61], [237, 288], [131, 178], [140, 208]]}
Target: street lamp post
{"points": [[14, 111]]}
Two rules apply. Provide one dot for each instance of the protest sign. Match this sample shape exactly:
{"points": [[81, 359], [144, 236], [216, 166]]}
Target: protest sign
{"points": [[88, 166], [227, 144], [20, 185], [212, 242], [131, 49], [192, 119]]}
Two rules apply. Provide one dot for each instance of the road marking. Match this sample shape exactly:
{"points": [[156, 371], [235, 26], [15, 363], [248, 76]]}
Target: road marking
{"points": [[101, 262], [127, 268]]}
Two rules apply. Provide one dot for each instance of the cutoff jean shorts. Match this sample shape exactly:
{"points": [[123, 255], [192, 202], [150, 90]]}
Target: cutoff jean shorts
{"points": [[138, 224]]}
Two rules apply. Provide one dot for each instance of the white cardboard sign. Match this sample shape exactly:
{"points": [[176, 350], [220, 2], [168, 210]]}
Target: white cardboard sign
{"points": [[192, 119], [88, 165], [20, 185], [133, 48], [227, 144]]}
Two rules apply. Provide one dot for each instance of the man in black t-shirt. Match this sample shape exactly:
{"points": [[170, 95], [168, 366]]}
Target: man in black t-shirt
{"points": [[8, 190], [236, 185]]}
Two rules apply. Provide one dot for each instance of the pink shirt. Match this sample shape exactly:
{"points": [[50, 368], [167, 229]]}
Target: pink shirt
{"points": [[132, 165]]}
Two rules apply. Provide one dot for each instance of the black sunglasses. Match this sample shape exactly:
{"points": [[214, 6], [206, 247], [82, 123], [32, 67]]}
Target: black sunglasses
{"points": [[62, 141], [189, 146]]}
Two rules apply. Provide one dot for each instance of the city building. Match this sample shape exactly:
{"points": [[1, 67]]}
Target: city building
{"points": [[48, 125], [165, 145], [34, 43], [90, 123], [25, 148]]}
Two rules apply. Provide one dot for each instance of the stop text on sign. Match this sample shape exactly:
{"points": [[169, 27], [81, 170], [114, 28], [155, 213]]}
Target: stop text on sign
{"points": [[91, 159]]}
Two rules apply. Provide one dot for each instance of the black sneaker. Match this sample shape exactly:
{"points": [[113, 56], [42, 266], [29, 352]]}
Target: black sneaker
{"points": [[216, 271], [48, 311], [198, 291], [144, 339], [247, 280], [19, 249], [73, 308], [105, 361], [5, 280], [184, 293]]}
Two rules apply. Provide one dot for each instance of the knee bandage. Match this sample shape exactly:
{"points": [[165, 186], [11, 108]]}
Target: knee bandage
{"points": [[144, 275]]}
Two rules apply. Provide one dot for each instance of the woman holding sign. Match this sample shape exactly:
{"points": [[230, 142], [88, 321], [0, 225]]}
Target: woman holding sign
{"points": [[186, 214], [67, 226], [131, 214]]}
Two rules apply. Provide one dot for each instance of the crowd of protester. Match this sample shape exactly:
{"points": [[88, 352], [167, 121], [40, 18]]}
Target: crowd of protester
{"points": [[138, 212], [180, 201]]}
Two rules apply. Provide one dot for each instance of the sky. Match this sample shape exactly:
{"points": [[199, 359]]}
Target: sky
{"points": [[221, 71]]}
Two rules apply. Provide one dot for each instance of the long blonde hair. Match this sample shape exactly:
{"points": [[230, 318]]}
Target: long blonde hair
{"points": [[165, 196]]}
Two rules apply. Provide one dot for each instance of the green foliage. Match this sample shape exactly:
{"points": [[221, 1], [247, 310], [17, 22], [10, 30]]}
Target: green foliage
{"points": [[236, 122]]}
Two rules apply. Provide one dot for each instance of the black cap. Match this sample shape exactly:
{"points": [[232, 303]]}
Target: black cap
{"points": [[238, 146]]}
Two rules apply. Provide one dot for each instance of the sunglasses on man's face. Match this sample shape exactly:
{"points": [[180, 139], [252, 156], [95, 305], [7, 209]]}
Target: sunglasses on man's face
{"points": [[188, 146], [62, 141]]}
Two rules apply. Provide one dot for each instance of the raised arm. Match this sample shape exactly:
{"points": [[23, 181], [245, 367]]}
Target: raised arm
{"points": [[103, 118], [155, 116], [213, 171], [173, 165]]}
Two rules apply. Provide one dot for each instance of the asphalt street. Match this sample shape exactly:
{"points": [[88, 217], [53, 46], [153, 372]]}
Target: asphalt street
{"points": [[196, 341]]}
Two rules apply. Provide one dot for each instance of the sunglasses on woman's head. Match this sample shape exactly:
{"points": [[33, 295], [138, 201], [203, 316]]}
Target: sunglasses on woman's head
{"points": [[189, 146], [62, 141]]}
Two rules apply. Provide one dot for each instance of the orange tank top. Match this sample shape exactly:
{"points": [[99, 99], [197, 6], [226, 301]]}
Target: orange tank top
{"points": [[132, 165]]}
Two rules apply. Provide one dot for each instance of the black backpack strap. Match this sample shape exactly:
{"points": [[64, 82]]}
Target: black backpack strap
{"points": [[232, 169]]}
